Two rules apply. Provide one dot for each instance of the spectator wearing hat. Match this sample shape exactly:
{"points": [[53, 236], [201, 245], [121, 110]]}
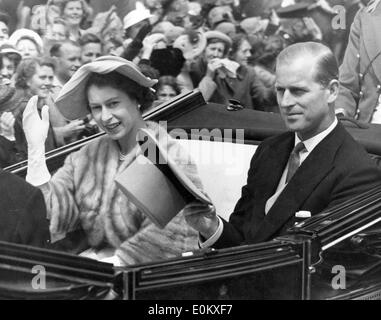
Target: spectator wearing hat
{"points": [[192, 45], [219, 14], [113, 89], [136, 27], [27, 42], [204, 69], [10, 60]]}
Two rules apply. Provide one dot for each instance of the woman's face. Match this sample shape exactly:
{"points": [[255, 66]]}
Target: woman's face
{"points": [[42, 81], [91, 51], [166, 93], [214, 50], [113, 110], [56, 31], [73, 12], [27, 48], [243, 53], [8, 69]]}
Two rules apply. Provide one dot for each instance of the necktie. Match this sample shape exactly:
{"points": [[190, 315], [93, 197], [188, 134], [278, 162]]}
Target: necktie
{"points": [[294, 160]]}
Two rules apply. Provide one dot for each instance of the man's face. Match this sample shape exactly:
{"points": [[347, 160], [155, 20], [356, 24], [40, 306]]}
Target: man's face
{"points": [[91, 51], [4, 32], [69, 61], [303, 102]]}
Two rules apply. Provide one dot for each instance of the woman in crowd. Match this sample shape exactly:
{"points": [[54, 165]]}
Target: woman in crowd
{"points": [[10, 60], [233, 78], [27, 42], [74, 13], [34, 76], [91, 47], [166, 88], [83, 193]]}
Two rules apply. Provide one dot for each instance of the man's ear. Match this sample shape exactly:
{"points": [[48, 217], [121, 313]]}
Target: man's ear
{"points": [[333, 88]]}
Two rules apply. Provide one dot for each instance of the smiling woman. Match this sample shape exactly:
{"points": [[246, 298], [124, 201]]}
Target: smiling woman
{"points": [[74, 13], [33, 77], [82, 195]]}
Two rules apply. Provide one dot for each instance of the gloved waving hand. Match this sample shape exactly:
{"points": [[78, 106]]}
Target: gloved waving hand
{"points": [[36, 131]]}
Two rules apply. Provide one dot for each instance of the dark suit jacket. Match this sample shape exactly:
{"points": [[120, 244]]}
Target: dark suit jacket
{"points": [[337, 169], [22, 212]]}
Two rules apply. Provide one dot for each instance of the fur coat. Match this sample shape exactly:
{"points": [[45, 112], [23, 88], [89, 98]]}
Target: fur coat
{"points": [[83, 193]]}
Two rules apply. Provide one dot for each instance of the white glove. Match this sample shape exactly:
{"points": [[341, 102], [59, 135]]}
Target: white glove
{"points": [[7, 121], [36, 132]]}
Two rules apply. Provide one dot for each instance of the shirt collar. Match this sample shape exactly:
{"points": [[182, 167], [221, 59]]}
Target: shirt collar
{"points": [[311, 143]]}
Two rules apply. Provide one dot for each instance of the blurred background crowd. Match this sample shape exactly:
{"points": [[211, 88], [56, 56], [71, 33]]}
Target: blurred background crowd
{"points": [[225, 48]]}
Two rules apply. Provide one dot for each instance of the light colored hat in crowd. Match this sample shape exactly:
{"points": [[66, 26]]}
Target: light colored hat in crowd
{"points": [[173, 33], [134, 17], [220, 14], [72, 100], [227, 28], [191, 46], [253, 25], [214, 34], [21, 33], [162, 27], [194, 8], [8, 48]]}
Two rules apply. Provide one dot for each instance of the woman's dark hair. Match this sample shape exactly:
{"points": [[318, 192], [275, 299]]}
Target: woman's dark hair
{"points": [[89, 38], [167, 81], [27, 68], [215, 40], [237, 41], [143, 95]]}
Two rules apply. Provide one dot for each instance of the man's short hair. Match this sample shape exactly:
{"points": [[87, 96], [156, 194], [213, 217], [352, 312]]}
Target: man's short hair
{"points": [[55, 50], [327, 68], [89, 38]]}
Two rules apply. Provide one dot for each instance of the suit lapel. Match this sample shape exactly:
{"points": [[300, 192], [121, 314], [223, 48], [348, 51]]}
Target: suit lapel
{"points": [[372, 43], [301, 186]]}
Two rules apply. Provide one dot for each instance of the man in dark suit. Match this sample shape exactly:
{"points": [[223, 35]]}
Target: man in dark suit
{"points": [[22, 212], [292, 176]]}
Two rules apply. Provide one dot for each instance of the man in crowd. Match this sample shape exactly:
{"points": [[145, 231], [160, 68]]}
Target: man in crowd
{"points": [[314, 166], [68, 54]]}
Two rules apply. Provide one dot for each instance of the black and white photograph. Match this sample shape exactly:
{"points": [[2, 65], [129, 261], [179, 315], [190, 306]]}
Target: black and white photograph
{"points": [[190, 154]]}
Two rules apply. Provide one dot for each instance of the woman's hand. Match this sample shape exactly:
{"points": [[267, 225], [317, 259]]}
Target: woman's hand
{"points": [[35, 127], [7, 121], [201, 217], [213, 65]]}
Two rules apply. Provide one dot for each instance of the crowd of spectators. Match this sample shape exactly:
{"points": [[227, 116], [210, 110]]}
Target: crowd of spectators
{"points": [[225, 48]]}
